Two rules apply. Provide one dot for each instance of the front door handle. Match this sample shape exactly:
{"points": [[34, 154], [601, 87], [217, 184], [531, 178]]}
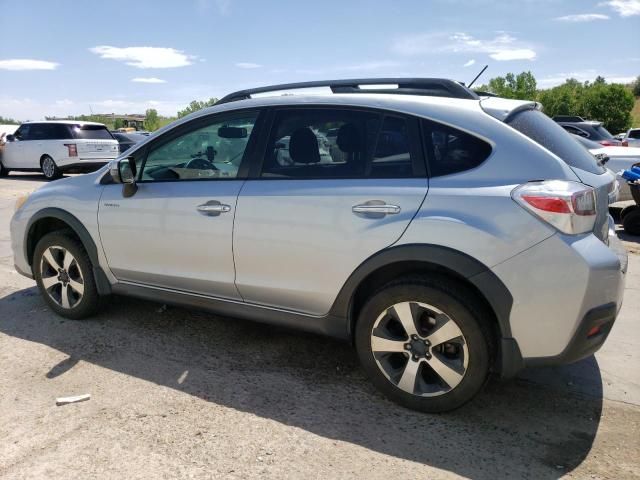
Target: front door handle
{"points": [[213, 208], [376, 209]]}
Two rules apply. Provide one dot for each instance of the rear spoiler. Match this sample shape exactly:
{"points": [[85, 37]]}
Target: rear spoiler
{"points": [[505, 108]]}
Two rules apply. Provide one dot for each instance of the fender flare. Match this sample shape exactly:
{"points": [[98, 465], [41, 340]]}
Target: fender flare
{"points": [[478, 274], [102, 283], [497, 295]]}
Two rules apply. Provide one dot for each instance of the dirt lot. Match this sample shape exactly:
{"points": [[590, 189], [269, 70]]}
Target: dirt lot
{"points": [[177, 393]]}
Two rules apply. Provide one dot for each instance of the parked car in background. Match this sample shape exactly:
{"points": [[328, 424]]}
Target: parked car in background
{"points": [[632, 137], [453, 237], [54, 147], [127, 140], [589, 129], [617, 159]]}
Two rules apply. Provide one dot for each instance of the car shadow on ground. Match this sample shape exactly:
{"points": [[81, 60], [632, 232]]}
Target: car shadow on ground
{"points": [[315, 384], [31, 177]]}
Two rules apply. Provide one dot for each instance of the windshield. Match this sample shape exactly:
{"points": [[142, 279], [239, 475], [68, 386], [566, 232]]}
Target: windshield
{"points": [[541, 129]]}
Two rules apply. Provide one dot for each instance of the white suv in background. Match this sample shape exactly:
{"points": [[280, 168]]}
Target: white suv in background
{"points": [[55, 147]]}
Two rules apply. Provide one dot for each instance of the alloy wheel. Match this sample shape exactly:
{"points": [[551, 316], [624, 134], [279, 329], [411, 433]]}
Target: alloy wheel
{"points": [[61, 277], [48, 167], [419, 348]]}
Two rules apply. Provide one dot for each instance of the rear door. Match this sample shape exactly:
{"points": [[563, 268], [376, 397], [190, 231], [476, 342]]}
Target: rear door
{"points": [[322, 201]]}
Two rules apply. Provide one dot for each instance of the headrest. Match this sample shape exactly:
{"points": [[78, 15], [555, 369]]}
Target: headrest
{"points": [[349, 140], [303, 146]]}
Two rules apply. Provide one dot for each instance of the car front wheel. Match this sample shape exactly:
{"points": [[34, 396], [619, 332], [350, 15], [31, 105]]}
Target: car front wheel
{"points": [[64, 275], [422, 344]]}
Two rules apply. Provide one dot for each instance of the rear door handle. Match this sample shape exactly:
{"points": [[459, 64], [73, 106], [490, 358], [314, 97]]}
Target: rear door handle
{"points": [[376, 209], [213, 208]]}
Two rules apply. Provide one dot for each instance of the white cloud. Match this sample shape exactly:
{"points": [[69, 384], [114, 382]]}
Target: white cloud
{"points": [[369, 66], [582, 76], [145, 57], [248, 65], [582, 17], [148, 80], [502, 47], [27, 64], [624, 8], [469, 63]]}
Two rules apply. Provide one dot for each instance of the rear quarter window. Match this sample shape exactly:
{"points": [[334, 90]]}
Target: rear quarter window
{"points": [[91, 132], [544, 131], [450, 150]]}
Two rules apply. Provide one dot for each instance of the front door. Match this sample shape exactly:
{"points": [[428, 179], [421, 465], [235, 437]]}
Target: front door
{"points": [[335, 187], [17, 154], [175, 232]]}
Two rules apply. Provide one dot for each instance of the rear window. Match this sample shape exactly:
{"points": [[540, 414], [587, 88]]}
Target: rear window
{"points": [[603, 131], [91, 132], [541, 129]]}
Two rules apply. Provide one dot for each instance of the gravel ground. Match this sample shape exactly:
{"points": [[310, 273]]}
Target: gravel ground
{"points": [[179, 393]]}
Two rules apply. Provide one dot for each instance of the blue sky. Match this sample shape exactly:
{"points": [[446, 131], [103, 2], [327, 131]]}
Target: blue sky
{"points": [[67, 57]]}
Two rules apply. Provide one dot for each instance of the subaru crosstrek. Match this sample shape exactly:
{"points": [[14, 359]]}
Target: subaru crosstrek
{"points": [[451, 236]]}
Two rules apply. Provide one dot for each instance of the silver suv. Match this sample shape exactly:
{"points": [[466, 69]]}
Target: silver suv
{"points": [[447, 236]]}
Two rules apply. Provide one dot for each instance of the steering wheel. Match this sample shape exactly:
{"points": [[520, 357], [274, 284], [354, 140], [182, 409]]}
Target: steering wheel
{"points": [[200, 164]]}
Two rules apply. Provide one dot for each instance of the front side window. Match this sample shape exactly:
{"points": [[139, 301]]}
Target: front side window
{"points": [[23, 132], [213, 151], [452, 150]]}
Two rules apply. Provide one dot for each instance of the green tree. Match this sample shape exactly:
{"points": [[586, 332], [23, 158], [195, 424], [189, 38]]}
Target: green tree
{"points": [[118, 123], [196, 105], [522, 86], [8, 121], [610, 103], [636, 87], [151, 121]]}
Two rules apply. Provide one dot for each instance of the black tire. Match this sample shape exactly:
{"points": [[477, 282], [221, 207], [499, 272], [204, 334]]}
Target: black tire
{"points": [[49, 170], [631, 221], [82, 269], [460, 306], [3, 171], [625, 210]]}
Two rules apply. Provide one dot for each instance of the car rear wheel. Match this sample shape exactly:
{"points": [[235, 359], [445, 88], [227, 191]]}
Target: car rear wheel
{"points": [[64, 275], [422, 344], [49, 168], [3, 171], [631, 221]]}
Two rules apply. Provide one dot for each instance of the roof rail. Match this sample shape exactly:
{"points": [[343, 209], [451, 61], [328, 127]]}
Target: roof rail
{"points": [[435, 87]]}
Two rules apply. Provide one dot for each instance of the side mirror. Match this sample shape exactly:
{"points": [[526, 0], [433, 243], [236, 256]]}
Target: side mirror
{"points": [[10, 138], [124, 171]]}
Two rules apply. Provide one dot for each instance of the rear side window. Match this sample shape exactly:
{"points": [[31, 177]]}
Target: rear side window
{"points": [[451, 150], [541, 129], [91, 132]]}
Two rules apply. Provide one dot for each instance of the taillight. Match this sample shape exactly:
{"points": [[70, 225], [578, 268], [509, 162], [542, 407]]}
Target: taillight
{"points": [[568, 206], [607, 143], [73, 149], [625, 143]]}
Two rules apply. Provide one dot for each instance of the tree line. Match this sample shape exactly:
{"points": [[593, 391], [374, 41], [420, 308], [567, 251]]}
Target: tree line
{"points": [[610, 103]]}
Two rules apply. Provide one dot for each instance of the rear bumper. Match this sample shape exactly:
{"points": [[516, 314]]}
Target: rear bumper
{"points": [[590, 335], [562, 289]]}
